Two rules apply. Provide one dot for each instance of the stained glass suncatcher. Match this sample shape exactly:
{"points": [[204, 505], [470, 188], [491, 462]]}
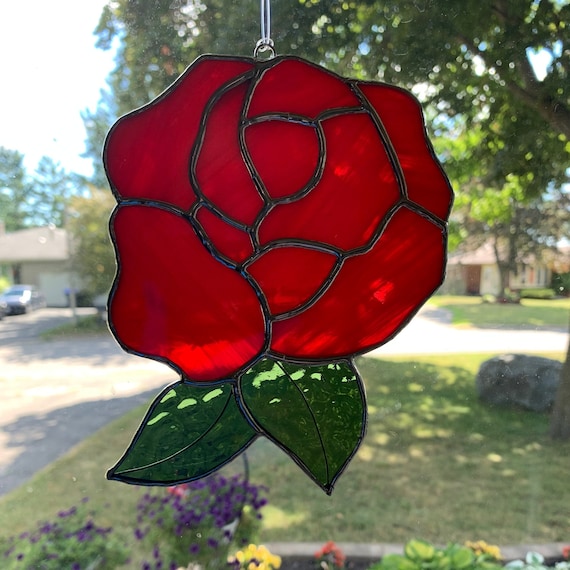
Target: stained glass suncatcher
{"points": [[273, 221]]}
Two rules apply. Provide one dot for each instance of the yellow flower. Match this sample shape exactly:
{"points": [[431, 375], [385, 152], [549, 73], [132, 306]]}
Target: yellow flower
{"points": [[481, 547], [256, 558]]}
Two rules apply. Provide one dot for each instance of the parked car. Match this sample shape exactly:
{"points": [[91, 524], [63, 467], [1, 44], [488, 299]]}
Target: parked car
{"points": [[22, 299], [3, 309]]}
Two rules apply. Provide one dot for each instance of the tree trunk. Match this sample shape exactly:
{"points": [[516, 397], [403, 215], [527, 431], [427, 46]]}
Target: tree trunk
{"points": [[503, 272], [560, 419]]}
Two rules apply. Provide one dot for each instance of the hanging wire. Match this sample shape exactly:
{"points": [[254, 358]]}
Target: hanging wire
{"points": [[264, 47]]}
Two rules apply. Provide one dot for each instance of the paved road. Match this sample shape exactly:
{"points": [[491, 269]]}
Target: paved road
{"points": [[54, 393]]}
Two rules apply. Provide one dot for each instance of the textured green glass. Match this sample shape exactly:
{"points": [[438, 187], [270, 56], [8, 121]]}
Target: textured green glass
{"points": [[188, 432], [316, 413]]}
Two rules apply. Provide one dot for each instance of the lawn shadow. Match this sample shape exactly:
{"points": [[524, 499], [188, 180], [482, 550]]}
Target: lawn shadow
{"points": [[43, 438], [430, 443], [88, 350]]}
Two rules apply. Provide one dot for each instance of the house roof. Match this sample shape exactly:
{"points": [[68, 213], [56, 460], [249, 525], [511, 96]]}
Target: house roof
{"points": [[34, 244], [483, 255], [558, 260]]}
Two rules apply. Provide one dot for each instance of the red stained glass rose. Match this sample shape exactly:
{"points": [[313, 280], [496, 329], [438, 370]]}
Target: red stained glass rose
{"points": [[271, 209], [273, 221]]}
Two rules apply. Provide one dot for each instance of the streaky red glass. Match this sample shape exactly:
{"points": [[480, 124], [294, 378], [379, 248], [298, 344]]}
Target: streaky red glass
{"points": [[282, 274], [289, 86], [230, 241], [221, 173], [148, 156], [355, 191], [173, 301], [379, 290], [271, 208], [401, 116], [274, 146]]}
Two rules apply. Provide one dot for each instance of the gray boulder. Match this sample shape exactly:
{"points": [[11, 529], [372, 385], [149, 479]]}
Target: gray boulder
{"points": [[519, 380]]}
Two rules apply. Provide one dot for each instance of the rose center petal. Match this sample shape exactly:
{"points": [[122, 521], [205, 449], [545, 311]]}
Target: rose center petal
{"points": [[285, 155]]}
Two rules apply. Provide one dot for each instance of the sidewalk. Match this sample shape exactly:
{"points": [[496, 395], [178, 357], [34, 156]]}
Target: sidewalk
{"points": [[430, 333]]}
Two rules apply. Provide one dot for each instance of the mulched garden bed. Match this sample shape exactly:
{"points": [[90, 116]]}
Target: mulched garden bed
{"points": [[305, 563]]}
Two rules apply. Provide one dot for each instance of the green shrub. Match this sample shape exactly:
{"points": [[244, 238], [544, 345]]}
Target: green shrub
{"points": [[421, 555], [537, 294], [561, 283]]}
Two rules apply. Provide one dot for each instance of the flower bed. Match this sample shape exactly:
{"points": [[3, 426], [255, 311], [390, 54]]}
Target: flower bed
{"points": [[211, 525]]}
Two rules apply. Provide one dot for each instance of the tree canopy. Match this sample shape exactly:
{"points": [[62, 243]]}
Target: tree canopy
{"points": [[36, 199], [13, 189], [493, 76], [93, 256], [472, 59]]}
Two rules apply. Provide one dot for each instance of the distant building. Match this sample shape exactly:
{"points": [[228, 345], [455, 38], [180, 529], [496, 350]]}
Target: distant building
{"points": [[40, 257], [477, 273]]}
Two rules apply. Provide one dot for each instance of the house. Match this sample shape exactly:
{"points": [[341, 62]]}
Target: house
{"points": [[477, 273], [40, 257]]}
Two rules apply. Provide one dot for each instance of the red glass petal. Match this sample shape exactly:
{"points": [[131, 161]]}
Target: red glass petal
{"points": [[297, 87], [220, 171], [372, 296], [174, 301], [290, 276], [147, 152], [274, 147], [357, 189], [230, 241], [402, 117]]}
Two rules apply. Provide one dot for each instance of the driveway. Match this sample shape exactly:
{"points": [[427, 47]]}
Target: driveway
{"points": [[55, 393]]}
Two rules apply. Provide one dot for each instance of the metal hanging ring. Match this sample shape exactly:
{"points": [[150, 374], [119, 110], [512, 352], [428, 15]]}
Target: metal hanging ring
{"points": [[264, 48]]}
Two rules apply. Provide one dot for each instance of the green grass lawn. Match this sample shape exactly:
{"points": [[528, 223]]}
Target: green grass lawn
{"points": [[530, 313], [435, 464]]}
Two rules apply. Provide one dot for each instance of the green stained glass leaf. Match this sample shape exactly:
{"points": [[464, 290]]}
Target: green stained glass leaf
{"points": [[316, 413], [188, 432]]}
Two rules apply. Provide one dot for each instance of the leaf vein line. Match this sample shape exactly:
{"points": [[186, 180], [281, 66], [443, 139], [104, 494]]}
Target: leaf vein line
{"points": [[186, 447], [321, 442]]}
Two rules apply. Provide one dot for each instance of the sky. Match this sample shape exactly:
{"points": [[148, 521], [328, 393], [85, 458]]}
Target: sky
{"points": [[50, 71]]}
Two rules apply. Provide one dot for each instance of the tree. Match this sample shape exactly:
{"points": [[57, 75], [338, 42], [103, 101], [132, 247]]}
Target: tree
{"points": [[36, 200], [97, 123], [470, 62], [51, 189], [517, 224], [93, 256], [14, 190]]}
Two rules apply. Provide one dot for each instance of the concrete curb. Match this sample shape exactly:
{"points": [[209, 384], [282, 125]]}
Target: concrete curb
{"points": [[370, 550]]}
